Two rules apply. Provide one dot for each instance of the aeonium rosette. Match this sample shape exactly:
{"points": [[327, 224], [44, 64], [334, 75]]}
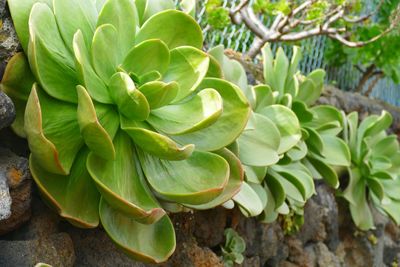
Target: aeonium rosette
{"points": [[123, 113]]}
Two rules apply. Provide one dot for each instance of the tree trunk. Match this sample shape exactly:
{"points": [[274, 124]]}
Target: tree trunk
{"points": [[369, 72], [373, 83], [255, 48]]}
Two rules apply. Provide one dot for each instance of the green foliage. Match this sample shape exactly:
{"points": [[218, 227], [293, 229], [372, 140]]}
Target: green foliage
{"points": [[217, 16], [286, 141], [383, 54], [374, 172], [232, 251], [114, 136]]}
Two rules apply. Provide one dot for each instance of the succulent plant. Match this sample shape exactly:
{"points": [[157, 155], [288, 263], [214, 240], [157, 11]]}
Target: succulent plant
{"points": [[374, 173], [124, 115], [286, 143]]}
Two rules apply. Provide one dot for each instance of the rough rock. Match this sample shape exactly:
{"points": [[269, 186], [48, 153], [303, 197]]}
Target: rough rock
{"points": [[209, 226], [321, 218], [189, 254], [15, 198], [320, 255], [9, 43], [56, 250], [262, 240], [94, 248], [7, 111]]}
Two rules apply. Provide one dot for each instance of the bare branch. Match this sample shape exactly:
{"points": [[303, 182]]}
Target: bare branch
{"points": [[301, 7], [353, 44], [365, 17], [241, 5]]}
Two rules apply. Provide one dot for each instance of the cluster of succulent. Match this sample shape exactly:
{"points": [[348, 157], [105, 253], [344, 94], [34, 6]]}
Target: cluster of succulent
{"points": [[127, 120], [286, 143], [374, 173]]}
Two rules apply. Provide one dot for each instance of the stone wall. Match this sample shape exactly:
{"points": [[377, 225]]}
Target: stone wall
{"points": [[31, 233]]}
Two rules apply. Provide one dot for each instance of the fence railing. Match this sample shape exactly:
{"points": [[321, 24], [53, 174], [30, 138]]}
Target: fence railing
{"points": [[239, 38]]}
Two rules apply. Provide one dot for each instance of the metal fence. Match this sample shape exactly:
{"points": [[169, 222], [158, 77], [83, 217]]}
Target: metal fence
{"points": [[238, 38]]}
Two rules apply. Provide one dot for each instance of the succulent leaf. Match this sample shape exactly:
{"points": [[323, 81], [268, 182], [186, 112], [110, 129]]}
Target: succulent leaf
{"points": [[121, 183], [197, 113], [74, 196], [178, 29], [196, 180], [128, 234]]}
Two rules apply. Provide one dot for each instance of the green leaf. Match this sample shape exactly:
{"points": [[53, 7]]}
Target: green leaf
{"points": [[122, 183], [20, 11], [298, 152], [196, 180], [264, 97], [233, 120], [255, 174], [106, 57], [122, 14], [234, 183], [302, 112], [18, 89], [233, 71], [12, 84], [269, 214], [392, 209], [386, 147], [259, 143], [326, 172], [248, 200], [130, 101], [50, 61], [214, 69], [276, 188], [85, 17], [335, 151], [356, 195], [54, 140], [128, 235], [138, 61], [159, 94], [293, 187], [326, 119], [287, 123], [155, 143], [314, 141], [281, 68], [86, 73], [174, 28], [199, 112], [75, 197], [148, 8], [188, 67], [95, 136], [311, 88], [294, 62], [299, 176], [268, 59]]}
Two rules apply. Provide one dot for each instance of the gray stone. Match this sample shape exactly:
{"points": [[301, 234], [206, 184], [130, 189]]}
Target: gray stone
{"points": [[7, 111], [263, 240], [14, 171], [321, 256], [9, 44], [56, 250], [209, 227], [321, 218]]}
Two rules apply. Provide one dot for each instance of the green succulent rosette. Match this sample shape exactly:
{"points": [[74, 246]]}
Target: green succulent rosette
{"points": [[289, 141], [374, 173], [124, 115]]}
